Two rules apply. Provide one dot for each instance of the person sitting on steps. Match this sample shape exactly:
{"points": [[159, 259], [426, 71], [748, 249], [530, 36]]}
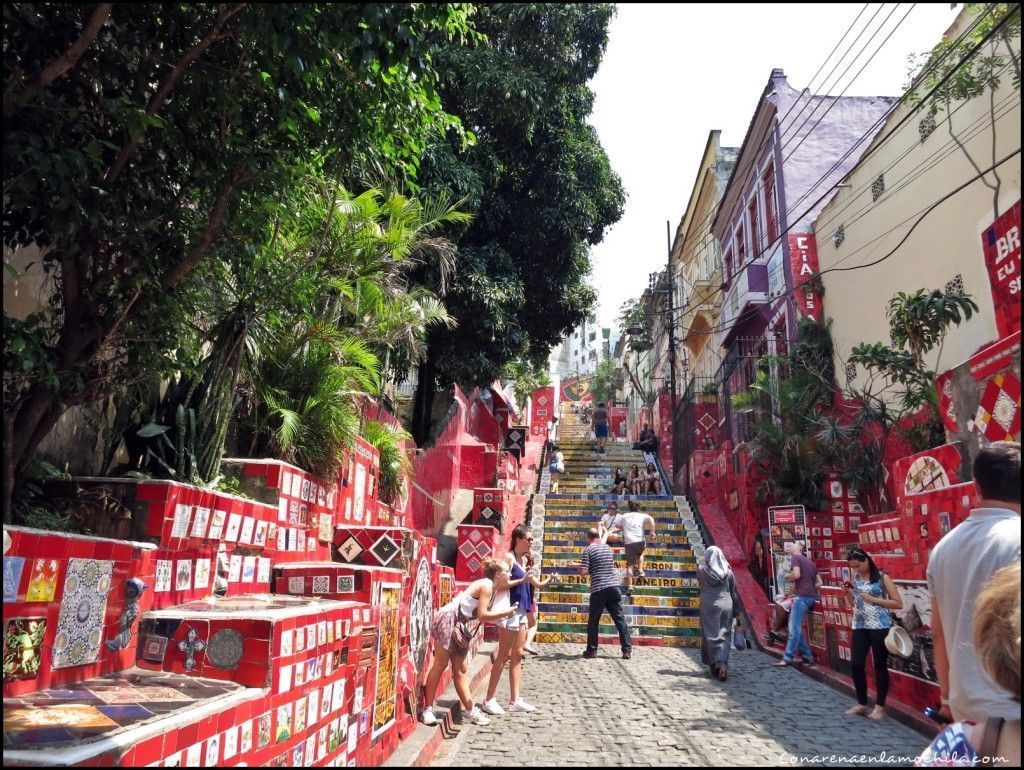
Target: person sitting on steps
{"points": [[652, 481]]}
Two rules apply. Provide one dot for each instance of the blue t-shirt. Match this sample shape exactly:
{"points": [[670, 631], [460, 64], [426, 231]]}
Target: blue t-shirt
{"points": [[522, 593], [951, 748]]}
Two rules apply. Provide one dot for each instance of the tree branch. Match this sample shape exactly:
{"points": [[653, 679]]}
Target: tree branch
{"points": [[161, 96], [173, 277], [61, 64]]}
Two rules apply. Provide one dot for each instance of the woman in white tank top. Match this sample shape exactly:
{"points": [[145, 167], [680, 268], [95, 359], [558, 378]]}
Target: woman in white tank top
{"points": [[454, 628]]}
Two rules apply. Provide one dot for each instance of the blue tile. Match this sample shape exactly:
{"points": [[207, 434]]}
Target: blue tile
{"points": [[125, 712]]}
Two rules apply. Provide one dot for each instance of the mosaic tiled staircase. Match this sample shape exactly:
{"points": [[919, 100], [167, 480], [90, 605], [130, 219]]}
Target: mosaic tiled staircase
{"points": [[664, 607]]}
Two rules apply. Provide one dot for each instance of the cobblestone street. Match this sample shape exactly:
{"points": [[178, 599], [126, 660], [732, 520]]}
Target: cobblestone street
{"points": [[661, 708]]}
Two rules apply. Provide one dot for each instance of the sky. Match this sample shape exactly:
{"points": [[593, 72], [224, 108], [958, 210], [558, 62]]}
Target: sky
{"points": [[674, 72]]}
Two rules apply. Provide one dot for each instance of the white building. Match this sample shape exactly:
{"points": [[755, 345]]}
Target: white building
{"points": [[581, 351]]}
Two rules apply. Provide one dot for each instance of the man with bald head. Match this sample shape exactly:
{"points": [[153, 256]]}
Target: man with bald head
{"points": [[806, 581]]}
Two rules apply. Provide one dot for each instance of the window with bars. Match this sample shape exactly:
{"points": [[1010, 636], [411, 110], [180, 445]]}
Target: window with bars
{"points": [[851, 372], [727, 261], [926, 126], [839, 236], [755, 230], [878, 187]]}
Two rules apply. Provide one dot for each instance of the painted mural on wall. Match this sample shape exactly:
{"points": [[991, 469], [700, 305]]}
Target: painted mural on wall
{"points": [[387, 658]]}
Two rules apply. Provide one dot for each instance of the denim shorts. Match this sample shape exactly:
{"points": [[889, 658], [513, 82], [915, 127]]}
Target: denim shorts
{"points": [[515, 622]]}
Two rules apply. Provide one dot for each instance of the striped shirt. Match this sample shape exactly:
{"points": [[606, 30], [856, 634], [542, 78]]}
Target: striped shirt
{"points": [[600, 565]]}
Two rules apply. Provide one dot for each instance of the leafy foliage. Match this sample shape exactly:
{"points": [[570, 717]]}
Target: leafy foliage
{"points": [[395, 465], [141, 142], [526, 378], [537, 179], [636, 314], [605, 381]]}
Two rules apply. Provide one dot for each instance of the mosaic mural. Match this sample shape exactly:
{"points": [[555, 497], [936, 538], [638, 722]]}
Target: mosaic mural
{"points": [[82, 609]]}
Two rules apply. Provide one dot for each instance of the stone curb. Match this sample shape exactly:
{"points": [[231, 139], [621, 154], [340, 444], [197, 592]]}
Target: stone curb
{"points": [[420, 748]]}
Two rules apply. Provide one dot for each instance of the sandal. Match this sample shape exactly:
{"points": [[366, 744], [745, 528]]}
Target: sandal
{"points": [[783, 664], [856, 711], [878, 713]]}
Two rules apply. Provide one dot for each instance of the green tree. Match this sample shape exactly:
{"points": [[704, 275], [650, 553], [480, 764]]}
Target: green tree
{"points": [[996, 29], [538, 181], [606, 379], [526, 377], [132, 132]]}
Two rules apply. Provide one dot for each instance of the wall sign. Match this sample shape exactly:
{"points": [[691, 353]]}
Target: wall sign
{"points": [[1001, 246]]}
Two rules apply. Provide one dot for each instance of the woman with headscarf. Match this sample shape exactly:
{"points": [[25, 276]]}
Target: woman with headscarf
{"points": [[718, 607]]}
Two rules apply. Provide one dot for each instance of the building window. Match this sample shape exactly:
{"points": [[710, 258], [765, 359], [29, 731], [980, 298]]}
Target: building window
{"points": [[741, 251], [770, 207], [926, 126], [840, 236], [755, 230], [728, 265], [878, 187], [956, 286], [593, 336]]}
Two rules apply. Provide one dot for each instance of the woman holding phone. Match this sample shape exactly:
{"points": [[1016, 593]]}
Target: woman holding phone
{"points": [[512, 630], [872, 595]]}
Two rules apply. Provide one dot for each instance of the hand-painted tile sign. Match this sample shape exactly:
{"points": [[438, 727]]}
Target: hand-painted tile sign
{"points": [[22, 639], [1001, 245]]}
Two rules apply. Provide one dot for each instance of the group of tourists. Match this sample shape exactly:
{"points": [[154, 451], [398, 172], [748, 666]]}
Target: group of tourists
{"points": [[973, 580], [506, 596], [635, 482]]}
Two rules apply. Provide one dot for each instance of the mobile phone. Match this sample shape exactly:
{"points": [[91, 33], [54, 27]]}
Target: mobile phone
{"points": [[933, 714]]}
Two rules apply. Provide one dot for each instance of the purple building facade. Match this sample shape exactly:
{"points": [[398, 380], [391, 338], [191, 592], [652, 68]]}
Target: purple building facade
{"points": [[797, 149]]}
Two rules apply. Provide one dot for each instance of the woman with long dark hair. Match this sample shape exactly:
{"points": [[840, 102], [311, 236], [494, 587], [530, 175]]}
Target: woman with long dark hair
{"points": [[532, 617], [872, 595], [512, 630], [635, 482]]}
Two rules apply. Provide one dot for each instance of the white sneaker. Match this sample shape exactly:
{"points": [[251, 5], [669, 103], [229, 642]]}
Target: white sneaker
{"points": [[476, 716], [491, 707], [427, 717], [521, 705]]}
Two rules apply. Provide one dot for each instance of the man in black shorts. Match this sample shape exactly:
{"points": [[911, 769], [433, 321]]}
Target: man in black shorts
{"points": [[600, 426]]}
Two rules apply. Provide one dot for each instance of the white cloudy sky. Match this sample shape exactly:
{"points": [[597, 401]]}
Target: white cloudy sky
{"points": [[673, 72]]}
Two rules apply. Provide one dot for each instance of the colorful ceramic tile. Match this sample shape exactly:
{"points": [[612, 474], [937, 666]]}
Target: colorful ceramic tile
{"points": [[190, 645], [200, 522], [260, 538], [42, 582], [235, 568], [263, 569], [217, 525], [321, 585], [282, 538], [248, 569], [193, 754], [225, 649], [310, 751], [163, 575], [234, 525], [263, 731], [284, 723], [282, 509], [183, 575], [296, 585], [212, 751], [72, 715], [23, 640], [202, 578], [245, 737], [286, 642], [120, 695], [313, 705], [286, 483], [338, 696], [13, 567], [325, 700], [248, 528], [325, 530], [82, 610], [173, 760], [296, 490], [154, 648], [298, 752], [182, 516], [229, 740]]}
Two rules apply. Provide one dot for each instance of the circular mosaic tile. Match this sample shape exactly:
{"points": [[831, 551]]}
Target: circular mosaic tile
{"points": [[225, 649]]}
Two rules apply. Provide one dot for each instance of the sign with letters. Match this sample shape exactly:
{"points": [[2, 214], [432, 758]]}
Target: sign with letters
{"points": [[1001, 246]]}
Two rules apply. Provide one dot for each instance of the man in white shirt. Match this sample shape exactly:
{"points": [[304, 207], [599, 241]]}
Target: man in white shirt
{"points": [[636, 527], [960, 566], [609, 522]]}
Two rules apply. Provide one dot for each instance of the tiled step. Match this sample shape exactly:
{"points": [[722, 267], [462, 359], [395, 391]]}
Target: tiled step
{"points": [[609, 628], [610, 642], [547, 609]]}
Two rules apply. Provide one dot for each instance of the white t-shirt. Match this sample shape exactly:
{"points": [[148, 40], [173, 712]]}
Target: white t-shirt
{"points": [[632, 524], [552, 430], [610, 520], [960, 566]]}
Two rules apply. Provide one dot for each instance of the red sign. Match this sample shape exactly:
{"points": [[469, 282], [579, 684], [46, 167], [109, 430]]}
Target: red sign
{"points": [[803, 258], [785, 515], [1001, 244]]}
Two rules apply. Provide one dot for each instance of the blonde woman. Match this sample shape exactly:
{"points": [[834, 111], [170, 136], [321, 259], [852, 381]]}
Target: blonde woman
{"points": [[454, 628]]}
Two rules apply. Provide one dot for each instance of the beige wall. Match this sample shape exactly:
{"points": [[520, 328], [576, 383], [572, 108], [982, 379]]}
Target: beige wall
{"points": [[945, 244], [23, 282]]}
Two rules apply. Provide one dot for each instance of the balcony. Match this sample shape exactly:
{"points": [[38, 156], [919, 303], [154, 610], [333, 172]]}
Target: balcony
{"points": [[749, 290]]}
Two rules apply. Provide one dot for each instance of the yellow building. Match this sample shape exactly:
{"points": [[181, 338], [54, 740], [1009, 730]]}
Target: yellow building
{"points": [[883, 213]]}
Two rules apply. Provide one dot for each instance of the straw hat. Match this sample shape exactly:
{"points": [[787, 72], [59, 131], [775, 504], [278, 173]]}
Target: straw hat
{"points": [[898, 642]]}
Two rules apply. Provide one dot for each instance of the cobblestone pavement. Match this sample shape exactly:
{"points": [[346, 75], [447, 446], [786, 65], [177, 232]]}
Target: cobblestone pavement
{"points": [[661, 708]]}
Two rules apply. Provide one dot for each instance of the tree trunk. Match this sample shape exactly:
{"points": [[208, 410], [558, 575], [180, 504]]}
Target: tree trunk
{"points": [[24, 431], [423, 405]]}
